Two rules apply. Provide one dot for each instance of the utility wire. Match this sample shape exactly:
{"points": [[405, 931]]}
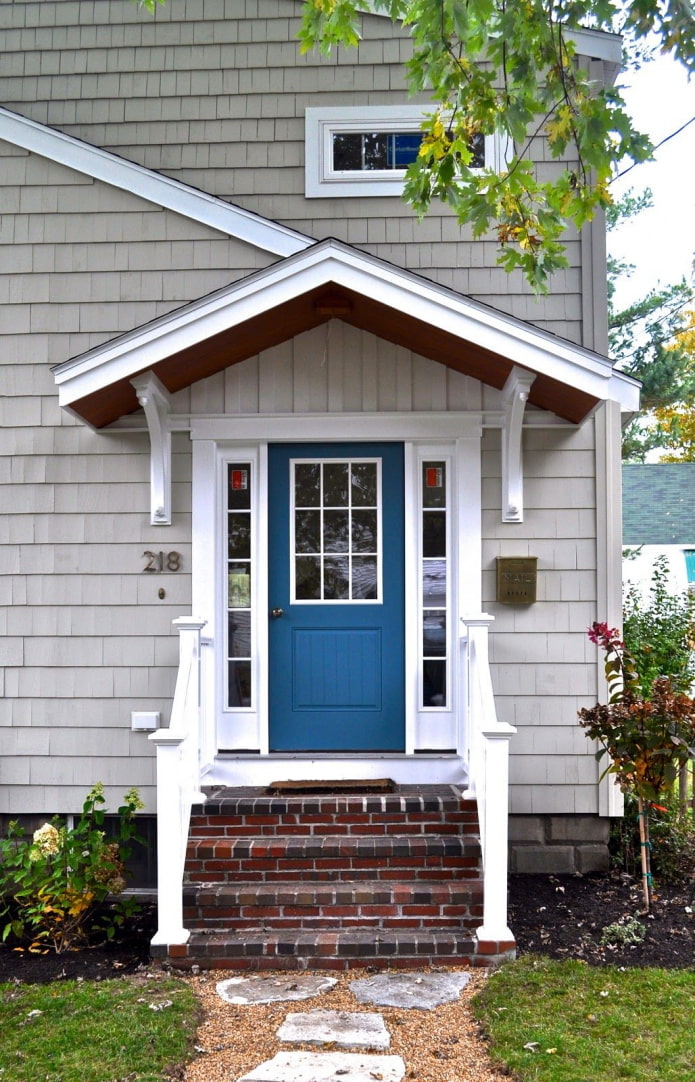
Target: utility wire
{"points": [[656, 147]]}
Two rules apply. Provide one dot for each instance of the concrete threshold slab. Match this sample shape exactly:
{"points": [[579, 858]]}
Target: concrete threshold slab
{"points": [[327, 1067], [344, 1029]]}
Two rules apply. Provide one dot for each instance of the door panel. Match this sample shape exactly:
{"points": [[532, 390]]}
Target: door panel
{"points": [[336, 587]]}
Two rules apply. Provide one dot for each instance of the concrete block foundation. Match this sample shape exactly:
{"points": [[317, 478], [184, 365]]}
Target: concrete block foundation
{"points": [[558, 844]]}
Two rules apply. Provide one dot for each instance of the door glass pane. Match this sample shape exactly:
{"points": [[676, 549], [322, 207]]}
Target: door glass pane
{"points": [[364, 531], [307, 531], [341, 530], [307, 484], [335, 484], [336, 537], [434, 484], [364, 578], [308, 578], [336, 578], [364, 480]]}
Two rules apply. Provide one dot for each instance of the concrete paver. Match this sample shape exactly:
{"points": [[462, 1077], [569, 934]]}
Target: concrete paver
{"points": [[273, 989], [422, 992], [327, 1067], [344, 1029]]}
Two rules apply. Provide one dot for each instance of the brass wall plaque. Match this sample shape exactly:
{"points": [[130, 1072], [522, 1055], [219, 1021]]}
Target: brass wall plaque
{"points": [[516, 579]]}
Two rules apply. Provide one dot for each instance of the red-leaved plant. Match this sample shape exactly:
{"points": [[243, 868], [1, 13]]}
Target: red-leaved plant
{"points": [[647, 738]]}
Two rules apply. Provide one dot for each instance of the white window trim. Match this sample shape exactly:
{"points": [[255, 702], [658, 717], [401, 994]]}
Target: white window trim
{"points": [[321, 182]]}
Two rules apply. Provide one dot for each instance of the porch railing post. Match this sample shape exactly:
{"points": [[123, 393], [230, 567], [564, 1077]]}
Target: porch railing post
{"points": [[487, 742], [178, 784]]}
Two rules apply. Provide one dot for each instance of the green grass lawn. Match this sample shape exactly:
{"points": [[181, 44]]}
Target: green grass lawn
{"points": [[569, 1022], [73, 1031]]}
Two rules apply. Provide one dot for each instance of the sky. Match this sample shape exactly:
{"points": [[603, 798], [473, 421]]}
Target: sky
{"points": [[660, 242]]}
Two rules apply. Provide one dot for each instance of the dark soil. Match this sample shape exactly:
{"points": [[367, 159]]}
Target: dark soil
{"points": [[567, 916], [560, 916]]}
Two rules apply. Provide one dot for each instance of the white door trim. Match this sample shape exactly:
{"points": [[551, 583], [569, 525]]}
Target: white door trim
{"points": [[456, 437]]}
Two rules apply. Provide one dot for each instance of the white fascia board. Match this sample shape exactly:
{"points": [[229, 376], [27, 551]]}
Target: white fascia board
{"points": [[154, 187], [332, 261]]}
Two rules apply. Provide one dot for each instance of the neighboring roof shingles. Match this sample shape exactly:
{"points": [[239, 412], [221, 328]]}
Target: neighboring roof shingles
{"points": [[659, 504]]}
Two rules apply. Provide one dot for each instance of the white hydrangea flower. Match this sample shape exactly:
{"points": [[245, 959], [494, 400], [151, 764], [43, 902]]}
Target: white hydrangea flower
{"points": [[47, 840]]}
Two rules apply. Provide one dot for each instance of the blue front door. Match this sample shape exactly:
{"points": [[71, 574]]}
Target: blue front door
{"points": [[336, 597]]}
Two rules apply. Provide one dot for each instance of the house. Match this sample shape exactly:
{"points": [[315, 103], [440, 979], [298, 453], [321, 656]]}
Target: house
{"points": [[294, 489], [668, 487]]}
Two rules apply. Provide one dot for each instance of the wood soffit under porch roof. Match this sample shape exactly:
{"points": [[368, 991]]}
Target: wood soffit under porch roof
{"points": [[332, 280], [310, 310]]}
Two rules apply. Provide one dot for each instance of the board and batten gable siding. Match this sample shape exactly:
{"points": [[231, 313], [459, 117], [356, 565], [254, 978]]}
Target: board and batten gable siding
{"points": [[543, 666], [84, 637], [213, 93]]}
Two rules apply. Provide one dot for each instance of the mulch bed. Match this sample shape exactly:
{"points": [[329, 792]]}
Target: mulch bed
{"points": [[560, 916]]}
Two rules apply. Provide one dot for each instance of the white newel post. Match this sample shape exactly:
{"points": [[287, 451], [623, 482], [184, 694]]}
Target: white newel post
{"points": [[488, 748], [170, 927], [496, 813], [178, 784]]}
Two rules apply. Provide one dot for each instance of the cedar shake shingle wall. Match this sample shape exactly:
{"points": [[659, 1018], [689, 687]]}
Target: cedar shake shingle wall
{"points": [[213, 93], [83, 637], [543, 665]]}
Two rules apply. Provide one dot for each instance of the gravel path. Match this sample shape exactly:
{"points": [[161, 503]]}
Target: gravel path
{"points": [[442, 1045]]}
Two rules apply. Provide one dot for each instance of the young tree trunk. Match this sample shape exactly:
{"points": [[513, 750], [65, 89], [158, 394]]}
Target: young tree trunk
{"points": [[646, 853], [683, 787]]}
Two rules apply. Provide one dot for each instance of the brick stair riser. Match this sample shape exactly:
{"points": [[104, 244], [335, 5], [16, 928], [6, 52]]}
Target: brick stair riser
{"points": [[219, 871], [323, 950], [328, 923], [225, 825]]}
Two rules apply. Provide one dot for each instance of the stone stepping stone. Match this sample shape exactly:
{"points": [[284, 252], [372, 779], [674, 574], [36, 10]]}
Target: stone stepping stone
{"points": [[345, 1029], [260, 989], [422, 991], [327, 1067]]}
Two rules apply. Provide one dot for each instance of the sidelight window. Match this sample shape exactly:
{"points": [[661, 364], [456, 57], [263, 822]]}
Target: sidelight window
{"points": [[435, 584], [239, 681]]}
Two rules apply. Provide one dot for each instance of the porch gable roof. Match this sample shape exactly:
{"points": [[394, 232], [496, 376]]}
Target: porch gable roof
{"points": [[333, 280]]}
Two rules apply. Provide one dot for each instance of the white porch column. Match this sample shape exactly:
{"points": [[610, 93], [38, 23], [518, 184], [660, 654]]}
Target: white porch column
{"points": [[170, 927], [178, 784], [495, 812]]}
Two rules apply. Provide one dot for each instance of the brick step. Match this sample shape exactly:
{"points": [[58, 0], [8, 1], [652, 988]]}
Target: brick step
{"points": [[214, 859], [293, 949], [453, 904], [252, 812]]}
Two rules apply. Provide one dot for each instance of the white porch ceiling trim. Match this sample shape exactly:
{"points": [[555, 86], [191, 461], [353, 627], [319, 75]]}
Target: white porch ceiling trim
{"points": [[333, 262], [154, 187]]}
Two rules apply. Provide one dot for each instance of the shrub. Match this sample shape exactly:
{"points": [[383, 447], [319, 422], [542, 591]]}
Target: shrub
{"points": [[54, 885]]}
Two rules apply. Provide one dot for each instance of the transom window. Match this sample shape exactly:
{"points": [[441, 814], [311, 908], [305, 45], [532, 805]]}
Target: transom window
{"points": [[336, 530], [365, 150]]}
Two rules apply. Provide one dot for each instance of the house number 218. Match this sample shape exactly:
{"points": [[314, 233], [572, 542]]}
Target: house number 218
{"points": [[162, 561]]}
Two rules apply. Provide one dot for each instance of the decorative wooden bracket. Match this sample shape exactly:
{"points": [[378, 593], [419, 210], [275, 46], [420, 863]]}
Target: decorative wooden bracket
{"points": [[154, 399], [514, 396]]}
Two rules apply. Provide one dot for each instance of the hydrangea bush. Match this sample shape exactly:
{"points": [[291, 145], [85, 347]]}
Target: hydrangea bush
{"points": [[54, 885]]}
